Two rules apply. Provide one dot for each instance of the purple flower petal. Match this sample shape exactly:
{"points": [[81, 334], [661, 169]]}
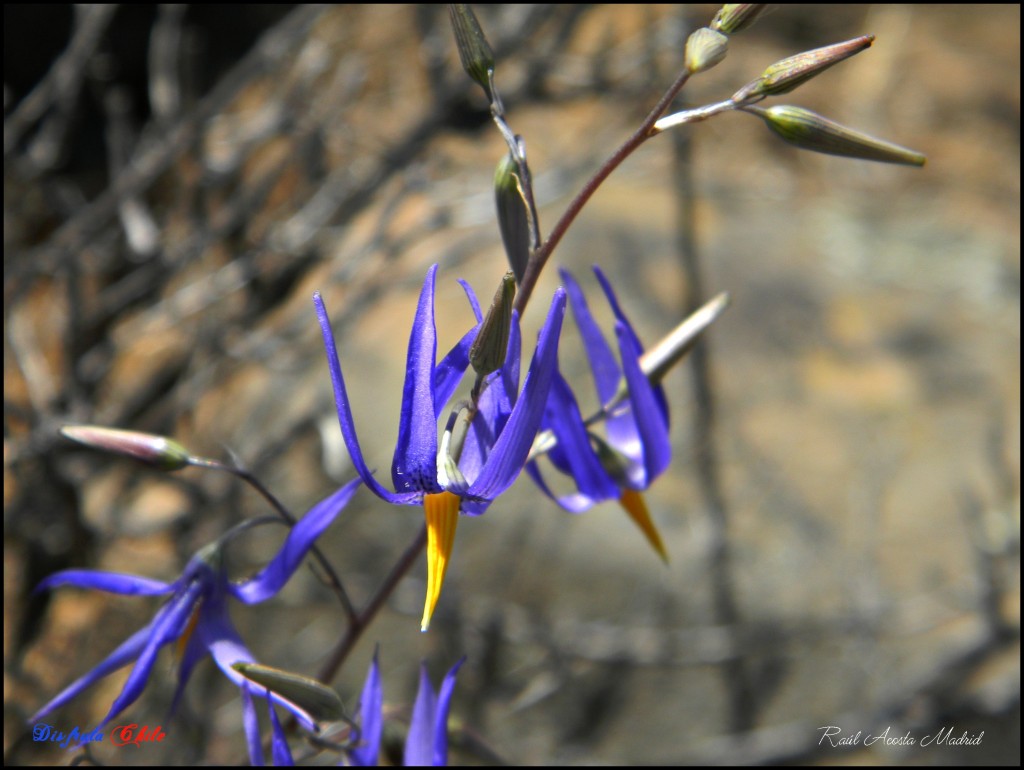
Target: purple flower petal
{"points": [[414, 468], [170, 623], [493, 408], [344, 409], [419, 744], [112, 582], [251, 722], [127, 652], [371, 719], [444, 702], [300, 539], [279, 743], [226, 648], [562, 416], [650, 420], [510, 370], [510, 451], [471, 296], [195, 651], [574, 503], [599, 353], [448, 373], [659, 392]]}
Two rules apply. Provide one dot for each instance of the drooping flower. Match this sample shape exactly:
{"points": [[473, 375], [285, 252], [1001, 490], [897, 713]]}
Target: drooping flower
{"points": [[635, 448], [427, 740], [502, 428], [196, 616]]}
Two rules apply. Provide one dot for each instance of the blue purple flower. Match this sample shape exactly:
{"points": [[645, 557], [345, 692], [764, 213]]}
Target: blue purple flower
{"points": [[427, 740], [196, 617], [635, 448], [502, 427]]}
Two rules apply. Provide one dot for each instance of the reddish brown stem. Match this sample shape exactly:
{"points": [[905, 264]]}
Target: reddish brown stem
{"points": [[540, 257]]}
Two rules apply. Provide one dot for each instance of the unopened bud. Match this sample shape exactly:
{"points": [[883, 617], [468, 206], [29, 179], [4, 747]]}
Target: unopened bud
{"points": [[736, 17], [321, 701], [487, 353], [474, 50], [704, 49], [513, 215], [151, 449], [783, 76], [810, 131]]}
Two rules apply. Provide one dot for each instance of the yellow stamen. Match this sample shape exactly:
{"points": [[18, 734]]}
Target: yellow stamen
{"points": [[635, 506], [182, 643], [442, 511]]}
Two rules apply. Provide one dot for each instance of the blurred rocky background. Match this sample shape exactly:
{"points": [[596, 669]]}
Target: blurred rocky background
{"points": [[842, 513]]}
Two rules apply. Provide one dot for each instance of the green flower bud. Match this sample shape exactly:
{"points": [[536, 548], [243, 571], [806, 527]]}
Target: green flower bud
{"points": [[810, 131], [513, 215], [474, 50], [487, 353], [321, 701], [785, 75], [704, 49], [151, 449], [736, 17]]}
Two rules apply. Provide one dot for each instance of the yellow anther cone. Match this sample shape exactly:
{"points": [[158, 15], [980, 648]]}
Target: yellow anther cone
{"points": [[442, 512], [182, 643], [635, 506]]}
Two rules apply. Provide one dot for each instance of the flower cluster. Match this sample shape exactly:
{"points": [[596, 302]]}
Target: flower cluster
{"points": [[505, 425]]}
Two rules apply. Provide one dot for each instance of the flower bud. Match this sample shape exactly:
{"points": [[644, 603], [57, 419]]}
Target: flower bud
{"points": [[487, 353], [736, 17], [513, 215], [785, 75], [810, 131], [474, 50], [321, 701], [149, 448], [704, 49]]}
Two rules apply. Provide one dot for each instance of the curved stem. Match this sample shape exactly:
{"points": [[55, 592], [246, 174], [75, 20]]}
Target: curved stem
{"points": [[245, 475], [363, 619], [541, 255]]}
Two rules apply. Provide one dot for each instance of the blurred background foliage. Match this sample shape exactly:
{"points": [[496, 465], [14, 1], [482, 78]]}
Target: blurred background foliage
{"points": [[178, 180]]}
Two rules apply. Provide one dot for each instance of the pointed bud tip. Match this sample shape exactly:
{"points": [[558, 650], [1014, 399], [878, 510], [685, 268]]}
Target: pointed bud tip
{"points": [[810, 131], [787, 74]]}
